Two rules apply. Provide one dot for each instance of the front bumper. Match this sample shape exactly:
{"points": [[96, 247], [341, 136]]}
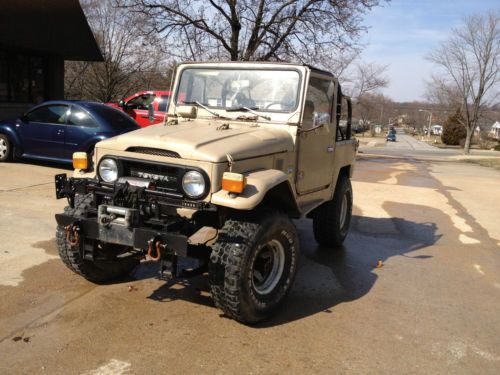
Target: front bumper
{"points": [[126, 215], [136, 237]]}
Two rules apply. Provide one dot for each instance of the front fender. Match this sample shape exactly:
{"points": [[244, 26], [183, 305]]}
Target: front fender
{"points": [[259, 183], [10, 131]]}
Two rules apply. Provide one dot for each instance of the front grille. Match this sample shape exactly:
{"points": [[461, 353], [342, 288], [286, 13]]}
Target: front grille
{"points": [[165, 177], [154, 151]]}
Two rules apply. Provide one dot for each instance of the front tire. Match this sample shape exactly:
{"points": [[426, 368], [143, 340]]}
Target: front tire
{"points": [[253, 265], [101, 270], [5, 148], [332, 219]]}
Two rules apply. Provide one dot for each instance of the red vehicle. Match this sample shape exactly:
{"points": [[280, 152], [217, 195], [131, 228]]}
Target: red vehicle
{"points": [[145, 107]]}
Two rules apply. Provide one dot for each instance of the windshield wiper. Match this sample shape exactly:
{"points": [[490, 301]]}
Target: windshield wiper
{"points": [[205, 108], [248, 109]]}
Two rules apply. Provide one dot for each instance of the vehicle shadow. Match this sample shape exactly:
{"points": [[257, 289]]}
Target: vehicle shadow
{"points": [[189, 286], [328, 277]]}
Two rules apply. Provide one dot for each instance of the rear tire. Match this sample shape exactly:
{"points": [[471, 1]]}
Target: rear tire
{"points": [[253, 265], [5, 148], [332, 219], [98, 270]]}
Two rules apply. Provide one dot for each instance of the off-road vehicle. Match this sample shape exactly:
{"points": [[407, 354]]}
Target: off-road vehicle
{"points": [[247, 148]]}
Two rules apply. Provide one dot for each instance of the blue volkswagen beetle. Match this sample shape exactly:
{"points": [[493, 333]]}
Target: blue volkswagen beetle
{"points": [[55, 130]]}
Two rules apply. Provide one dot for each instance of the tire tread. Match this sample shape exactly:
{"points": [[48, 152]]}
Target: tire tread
{"points": [[229, 258]]}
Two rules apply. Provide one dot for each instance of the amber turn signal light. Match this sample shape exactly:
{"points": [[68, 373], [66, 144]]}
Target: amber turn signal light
{"points": [[80, 160], [233, 182]]}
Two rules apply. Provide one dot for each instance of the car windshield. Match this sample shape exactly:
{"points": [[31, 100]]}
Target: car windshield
{"points": [[236, 89]]}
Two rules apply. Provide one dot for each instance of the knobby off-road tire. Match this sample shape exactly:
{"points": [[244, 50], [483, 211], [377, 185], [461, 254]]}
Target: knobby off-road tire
{"points": [[5, 148], [99, 270], [253, 264], [332, 219]]}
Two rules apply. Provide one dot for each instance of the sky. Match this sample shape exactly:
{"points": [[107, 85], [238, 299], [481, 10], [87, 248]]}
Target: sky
{"points": [[402, 32]]}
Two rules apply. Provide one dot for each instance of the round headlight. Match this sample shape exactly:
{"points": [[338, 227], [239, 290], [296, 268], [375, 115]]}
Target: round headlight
{"points": [[193, 184], [108, 170]]}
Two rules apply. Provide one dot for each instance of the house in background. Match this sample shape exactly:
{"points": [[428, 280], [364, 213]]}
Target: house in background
{"points": [[495, 130], [436, 129], [35, 39]]}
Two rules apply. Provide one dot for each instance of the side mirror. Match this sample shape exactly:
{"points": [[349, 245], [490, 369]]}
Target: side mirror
{"points": [[24, 118], [121, 103], [321, 119], [151, 113]]}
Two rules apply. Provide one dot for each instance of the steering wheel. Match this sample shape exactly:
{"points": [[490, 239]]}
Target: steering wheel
{"points": [[274, 103]]}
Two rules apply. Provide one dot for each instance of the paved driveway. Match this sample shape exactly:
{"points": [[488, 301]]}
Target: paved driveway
{"points": [[433, 306]]}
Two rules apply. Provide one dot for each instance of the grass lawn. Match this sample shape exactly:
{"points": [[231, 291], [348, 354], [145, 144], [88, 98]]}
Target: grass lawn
{"points": [[492, 163]]}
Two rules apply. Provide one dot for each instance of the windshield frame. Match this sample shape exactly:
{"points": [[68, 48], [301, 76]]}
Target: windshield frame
{"points": [[236, 68]]}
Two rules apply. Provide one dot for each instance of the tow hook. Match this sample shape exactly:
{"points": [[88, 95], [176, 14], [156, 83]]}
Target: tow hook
{"points": [[168, 263], [157, 246], [72, 234]]}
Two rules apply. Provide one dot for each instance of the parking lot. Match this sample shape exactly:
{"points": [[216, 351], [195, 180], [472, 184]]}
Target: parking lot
{"points": [[415, 289]]}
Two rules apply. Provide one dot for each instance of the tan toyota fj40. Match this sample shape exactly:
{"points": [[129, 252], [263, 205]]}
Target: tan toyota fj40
{"points": [[247, 148]]}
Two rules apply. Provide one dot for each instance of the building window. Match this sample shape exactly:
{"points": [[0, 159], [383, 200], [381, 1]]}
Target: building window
{"points": [[22, 78]]}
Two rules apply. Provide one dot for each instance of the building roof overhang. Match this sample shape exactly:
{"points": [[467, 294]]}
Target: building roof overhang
{"points": [[56, 27]]}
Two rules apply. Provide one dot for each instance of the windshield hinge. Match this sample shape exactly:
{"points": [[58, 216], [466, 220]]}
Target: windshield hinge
{"points": [[230, 161]]}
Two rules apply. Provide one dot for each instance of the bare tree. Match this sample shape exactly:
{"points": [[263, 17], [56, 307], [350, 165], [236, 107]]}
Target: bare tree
{"points": [[367, 78], [130, 61], [363, 85], [253, 29], [469, 61], [339, 62]]}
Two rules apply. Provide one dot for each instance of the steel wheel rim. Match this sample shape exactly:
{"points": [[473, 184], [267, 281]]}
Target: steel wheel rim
{"points": [[268, 266], [3, 147], [343, 211]]}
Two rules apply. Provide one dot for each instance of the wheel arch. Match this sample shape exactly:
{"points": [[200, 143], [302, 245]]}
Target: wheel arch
{"points": [[269, 188], [281, 197], [344, 172], [13, 137], [90, 143]]}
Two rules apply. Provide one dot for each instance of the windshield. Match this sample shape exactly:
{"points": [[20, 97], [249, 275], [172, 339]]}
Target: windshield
{"points": [[262, 90]]}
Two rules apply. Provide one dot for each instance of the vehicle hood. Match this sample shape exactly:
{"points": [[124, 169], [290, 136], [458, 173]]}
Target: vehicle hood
{"points": [[206, 142]]}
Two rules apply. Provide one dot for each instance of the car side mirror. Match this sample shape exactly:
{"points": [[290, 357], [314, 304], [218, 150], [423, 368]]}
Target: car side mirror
{"points": [[151, 113], [24, 118], [121, 103], [321, 119]]}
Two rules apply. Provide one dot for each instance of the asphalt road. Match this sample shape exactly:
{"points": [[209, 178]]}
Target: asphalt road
{"points": [[408, 146], [432, 307], [406, 142]]}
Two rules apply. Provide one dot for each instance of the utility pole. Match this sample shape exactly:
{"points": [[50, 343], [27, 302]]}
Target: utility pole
{"points": [[430, 122]]}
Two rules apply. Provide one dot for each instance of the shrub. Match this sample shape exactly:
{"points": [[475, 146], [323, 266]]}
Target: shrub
{"points": [[454, 132], [486, 144]]}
